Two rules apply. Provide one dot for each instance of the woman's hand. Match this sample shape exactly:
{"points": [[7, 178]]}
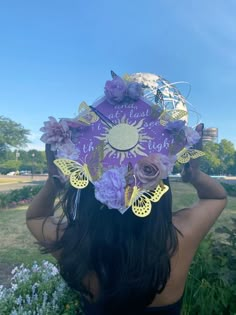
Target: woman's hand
{"points": [[53, 172], [191, 169]]}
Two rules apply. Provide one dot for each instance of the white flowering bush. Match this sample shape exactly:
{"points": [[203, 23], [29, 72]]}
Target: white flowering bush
{"points": [[38, 290]]}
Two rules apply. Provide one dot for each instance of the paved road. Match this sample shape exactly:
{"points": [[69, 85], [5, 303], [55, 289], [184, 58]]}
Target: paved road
{"points": [[17, 182]]}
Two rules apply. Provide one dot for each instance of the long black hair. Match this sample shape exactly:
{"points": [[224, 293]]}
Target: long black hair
{"points": [[130, 256]]}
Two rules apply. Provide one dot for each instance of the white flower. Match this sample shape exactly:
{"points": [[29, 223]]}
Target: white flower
{"points": [[14, 286], [28, 299], [14, 270], [29, 294], [19, 300], [55, 271]]}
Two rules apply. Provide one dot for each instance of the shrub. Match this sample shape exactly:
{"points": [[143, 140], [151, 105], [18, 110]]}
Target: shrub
{"points": [[211, 285], [38, 290], [4, 200], [231, 189], [18, 196]]}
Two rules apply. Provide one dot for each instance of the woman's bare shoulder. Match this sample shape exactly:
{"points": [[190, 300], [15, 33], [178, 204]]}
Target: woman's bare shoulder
{"points": [[193, 224]]}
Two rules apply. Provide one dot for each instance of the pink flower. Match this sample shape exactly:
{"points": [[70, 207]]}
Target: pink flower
{"points": [[151, 169], [73, 123], [55, 133], [115, 90]]}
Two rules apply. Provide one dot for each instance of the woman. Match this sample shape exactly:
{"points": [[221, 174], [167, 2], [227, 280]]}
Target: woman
{"points": [[135, 260]]}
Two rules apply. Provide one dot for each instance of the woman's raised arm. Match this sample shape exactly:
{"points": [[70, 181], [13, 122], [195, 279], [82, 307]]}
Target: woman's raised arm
{"points": [[196, 221], [40, 217]]}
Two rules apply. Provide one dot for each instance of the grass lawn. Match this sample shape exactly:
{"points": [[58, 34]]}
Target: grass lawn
{"points": [[18, 246], [184, 195]]}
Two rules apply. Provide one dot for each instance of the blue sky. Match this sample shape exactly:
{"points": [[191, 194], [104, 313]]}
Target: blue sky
{"points": [[55, 54]]}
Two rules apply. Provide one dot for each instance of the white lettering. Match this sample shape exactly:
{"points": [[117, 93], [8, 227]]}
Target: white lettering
{"points": [[166, 143], [150, 124], [88, 147], [115, 115], [126, 106], [158, 147], [144, 114]]}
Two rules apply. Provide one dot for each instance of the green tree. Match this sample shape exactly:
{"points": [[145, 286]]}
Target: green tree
{"points": [[9, 166], [21, 160], [227, 156], [220, 158], [232, 168], [210, 163], [12, 134], [33, 160]]}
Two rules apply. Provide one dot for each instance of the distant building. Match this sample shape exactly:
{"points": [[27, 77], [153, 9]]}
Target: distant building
{"points": [[210, 134]]}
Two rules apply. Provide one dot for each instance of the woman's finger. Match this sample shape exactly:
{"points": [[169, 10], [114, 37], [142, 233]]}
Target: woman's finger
{"points": [[52, 169], [199, 128]]}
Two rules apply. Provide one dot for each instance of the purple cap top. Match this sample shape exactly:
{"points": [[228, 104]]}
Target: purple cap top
{"points": [[124, 144]]}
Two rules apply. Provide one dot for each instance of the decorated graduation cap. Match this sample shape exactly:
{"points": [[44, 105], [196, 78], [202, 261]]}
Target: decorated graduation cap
{"points": [[125, 143]]}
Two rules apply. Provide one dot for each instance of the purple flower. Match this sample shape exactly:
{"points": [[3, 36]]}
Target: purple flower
{"points": [[110, 188], [168, 162], [55, 133], [115, 90], [175, 125], [192, 136], [68, 150], [134, 90]]}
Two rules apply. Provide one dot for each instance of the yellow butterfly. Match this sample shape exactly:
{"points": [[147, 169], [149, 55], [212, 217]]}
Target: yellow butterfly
{"points": [[171, 115], [185, 155], [86, 115], [140, 201], [79, 174], [95, 161]]}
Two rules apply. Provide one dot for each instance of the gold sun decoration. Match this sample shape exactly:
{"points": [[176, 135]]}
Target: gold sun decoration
{"points": [[124, 139]]}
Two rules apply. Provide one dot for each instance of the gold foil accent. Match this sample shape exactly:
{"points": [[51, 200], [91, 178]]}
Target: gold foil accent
{"points": [[95, 163], [185, 155], [86, 115], [172, 115], [128, 194]]}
